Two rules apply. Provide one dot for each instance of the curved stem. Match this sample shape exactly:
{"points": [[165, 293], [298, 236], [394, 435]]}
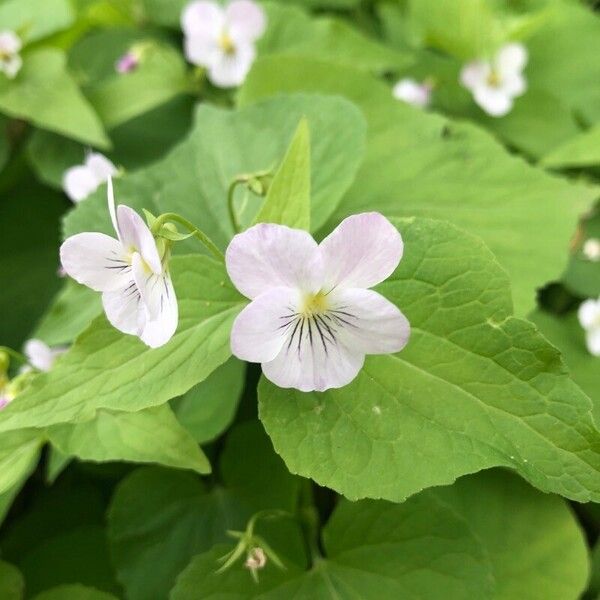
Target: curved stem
{"points": [[197, 233], [20, 357], [230, 201]]}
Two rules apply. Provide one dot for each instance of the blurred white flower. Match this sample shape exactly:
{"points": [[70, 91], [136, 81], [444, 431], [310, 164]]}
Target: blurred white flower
{"points": [[589, 317], [82, 180], [222, 39], [494, 84], [591, 249], [412, 92], [10, 61], [40, 356], [131, 272]]}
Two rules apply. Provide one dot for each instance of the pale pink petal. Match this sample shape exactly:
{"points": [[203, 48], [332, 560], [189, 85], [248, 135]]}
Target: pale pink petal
{"points": [[589, 314], [494, 101], [95, 260], [315, 366], [412, 92], [511, 59], [267, 256], [367, 322], [39, 355], [246, 20], [123, 309], [79, 182], [161, 328], [10, 42], [12, 65], [593, 341], [201, 51], [362, 251], [204, 19], [263, 327], [100, 166], [474, 74], [135, 236], [230, 70]]}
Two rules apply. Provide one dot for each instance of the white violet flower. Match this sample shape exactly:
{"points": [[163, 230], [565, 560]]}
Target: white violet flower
{"points": [[591, 249], [82, 180], [312, 318], [589, 317], [412, 92], [494, 84], [131, 272], [10, 60], [222, 39], [40, 356]]}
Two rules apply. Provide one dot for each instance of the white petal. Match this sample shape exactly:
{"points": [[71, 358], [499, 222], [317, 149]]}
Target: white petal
{"points": [[362, 250], [10, 42], [474, 74], [95, 260], [12, 65], [39, 355], [135, 235], [160, 329], [267, 256], [494, 101], [368, 322], [412, 92], [511, 59], [100, 166], [261, 329], [123, 309], [230, 70], [202, 18], [514, 84], [201, 51], [310, 368], [110, 196], [156, 290], [589, 314], [79, 182], [593, 341], [246, 20]]}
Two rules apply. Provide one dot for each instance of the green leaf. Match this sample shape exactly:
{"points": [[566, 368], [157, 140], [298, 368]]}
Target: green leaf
{"points": [[12, 584], [33, 20], [582, 150], [420, 164], [159, 519], [474, 388], [105, 369], [288, 198], [71, 311], [194, 178], [535, 545], [19, 454], [209, 407], [74, 591], [164, 12], [45, 94], [148, 436]]}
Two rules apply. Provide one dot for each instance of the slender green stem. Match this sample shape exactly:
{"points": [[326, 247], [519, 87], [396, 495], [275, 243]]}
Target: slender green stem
{"points": [[231, 201], [309, 521], [198, 234], [20, 357]]}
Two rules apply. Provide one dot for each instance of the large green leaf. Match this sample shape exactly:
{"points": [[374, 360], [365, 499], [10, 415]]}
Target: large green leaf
{"points": [[152, 435], [74, 591], [33, 20], [474, 388], [288, 197], [45, 94], [106, 369], [159, 519], [19, 453], [12, 585], [194, 179], [420, 164], [582, 150]]}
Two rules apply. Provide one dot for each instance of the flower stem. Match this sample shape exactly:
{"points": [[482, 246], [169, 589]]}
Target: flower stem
{"points": [[197, 233], [230, 201], [309, 522], [17, 355]]}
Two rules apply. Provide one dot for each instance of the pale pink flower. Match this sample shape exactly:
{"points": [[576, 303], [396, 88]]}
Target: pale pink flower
{"points": [[412, 92], [222, 40], [40, 356], [496, 83], [589, 318], [137, 292], [82, 180], [127, 63], [10, 46], [591, 249], [312, 318]]}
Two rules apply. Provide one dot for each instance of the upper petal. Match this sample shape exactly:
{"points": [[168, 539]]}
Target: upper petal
{"points": [[95, 260], [10, 42], [134, 234], [589, 313], [475, 73], [202, 18], [368, 322], [262, 328], [511, 59], [159, 329], [362, 251], [79, 182], [246, 20], [100, 166], [268, 256]]}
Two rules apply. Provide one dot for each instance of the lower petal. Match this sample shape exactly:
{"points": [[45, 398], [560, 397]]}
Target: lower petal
{"points": [[123, 310], [161, 328], [593, 341], [494, 102], [231, 70], [263, 327]]}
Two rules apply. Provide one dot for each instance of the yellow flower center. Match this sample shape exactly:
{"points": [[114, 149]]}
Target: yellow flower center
{"points": [[494, 79], [226, 43], [314, 304]]}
